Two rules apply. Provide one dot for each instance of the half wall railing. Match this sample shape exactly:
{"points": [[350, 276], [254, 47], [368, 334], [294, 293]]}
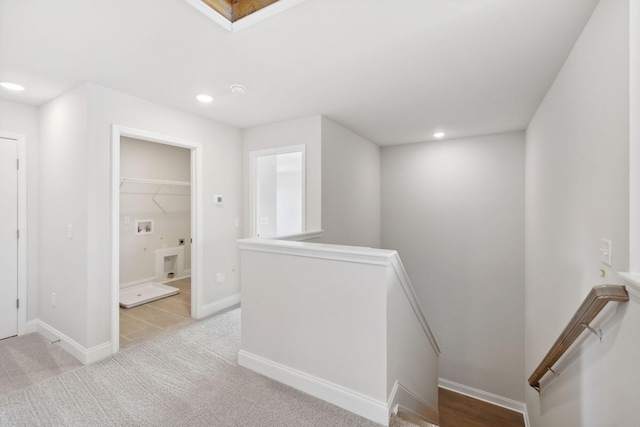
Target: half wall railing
{"points": [[341, 323]]}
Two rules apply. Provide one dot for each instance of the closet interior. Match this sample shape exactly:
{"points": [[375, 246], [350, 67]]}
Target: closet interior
{"points": [[155, 237]]}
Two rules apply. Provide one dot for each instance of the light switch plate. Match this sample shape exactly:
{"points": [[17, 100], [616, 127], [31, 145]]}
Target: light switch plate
{"points": [[605, 251]]}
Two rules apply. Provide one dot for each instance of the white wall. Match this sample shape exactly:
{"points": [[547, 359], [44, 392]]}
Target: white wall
{"points": [[577, 157], [318, 321], [350, 187], [23, 120], [63, 202], [454, 210], [412, 358], [148, 160], [342, 177], [305, 131], [76, 139]]}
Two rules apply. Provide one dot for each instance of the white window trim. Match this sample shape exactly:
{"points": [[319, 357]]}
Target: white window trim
{"points": [[253, 155]]}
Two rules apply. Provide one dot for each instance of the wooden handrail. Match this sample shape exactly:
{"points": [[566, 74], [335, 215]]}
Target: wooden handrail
{"points": [[598, 297]]}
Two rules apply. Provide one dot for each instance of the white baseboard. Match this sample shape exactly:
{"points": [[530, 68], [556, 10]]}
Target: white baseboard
{"points": [[138, 282], [31, 326], [525, 414], [187, 273], [214, 307], [350, 400], [175, 278], [411, 404], [84, 355], [485, 396]]}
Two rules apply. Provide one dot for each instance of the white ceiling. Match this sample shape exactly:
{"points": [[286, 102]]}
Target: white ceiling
{"points": [[394, 72]]}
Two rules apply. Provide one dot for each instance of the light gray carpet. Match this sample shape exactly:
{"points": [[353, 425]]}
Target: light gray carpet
{"points": [[29, 359], [188, 377]]}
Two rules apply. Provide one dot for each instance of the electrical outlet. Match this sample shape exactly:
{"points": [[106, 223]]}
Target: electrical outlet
{"points": [[53, 299]]}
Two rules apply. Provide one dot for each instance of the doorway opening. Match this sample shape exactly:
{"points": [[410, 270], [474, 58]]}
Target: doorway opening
{"points": [[277, 191], [155, 234], [155, 238]]}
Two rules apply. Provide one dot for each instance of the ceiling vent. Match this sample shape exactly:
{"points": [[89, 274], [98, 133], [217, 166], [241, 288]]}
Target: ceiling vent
{"points": [[235, 15]]}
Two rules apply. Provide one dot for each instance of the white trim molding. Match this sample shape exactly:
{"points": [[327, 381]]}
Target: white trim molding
{"points": [[84, 355], [218, 306], [247, 21], [632, 282], [485, 396], [410, 293], [408, 403], [354, 254], [345, 398], [298, 237], [138, 282]]}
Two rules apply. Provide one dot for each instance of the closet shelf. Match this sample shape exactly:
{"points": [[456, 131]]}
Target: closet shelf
{"points": [[153, 182], [154, 187]]}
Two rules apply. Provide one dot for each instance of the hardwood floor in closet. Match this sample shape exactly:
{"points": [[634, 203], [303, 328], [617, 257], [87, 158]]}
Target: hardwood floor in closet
{"points": [[148, 320]]}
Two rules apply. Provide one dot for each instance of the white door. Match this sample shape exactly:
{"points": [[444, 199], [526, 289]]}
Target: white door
{"points": [[8, 238]]}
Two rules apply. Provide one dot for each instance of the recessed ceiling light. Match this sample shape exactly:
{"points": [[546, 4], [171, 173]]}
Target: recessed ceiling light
{"points": [[438, 134], [11, 86], [238, 89], [203, 97]]}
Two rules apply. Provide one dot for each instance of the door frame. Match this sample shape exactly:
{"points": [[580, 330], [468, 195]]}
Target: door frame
{"points": [[117, 132], [21, 141]]}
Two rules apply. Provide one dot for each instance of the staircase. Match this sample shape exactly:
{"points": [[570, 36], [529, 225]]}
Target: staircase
{"points": [[343, 324]]}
